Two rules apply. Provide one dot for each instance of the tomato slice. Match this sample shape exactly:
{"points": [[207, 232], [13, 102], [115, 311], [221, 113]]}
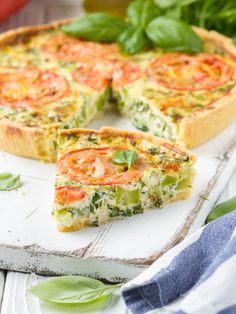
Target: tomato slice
{"points": [[65, 194], [23, 88], [70, 49], [180, 71], [94, 166], [95, 75], [126, 73]]}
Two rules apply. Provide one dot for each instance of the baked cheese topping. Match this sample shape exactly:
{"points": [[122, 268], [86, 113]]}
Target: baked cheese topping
{"points": [[93, 186]]}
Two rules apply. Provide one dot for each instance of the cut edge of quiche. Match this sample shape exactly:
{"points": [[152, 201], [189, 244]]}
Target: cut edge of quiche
{"points": [[112, 173]]}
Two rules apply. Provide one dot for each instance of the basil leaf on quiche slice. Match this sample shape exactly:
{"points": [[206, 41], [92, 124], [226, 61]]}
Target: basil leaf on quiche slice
{"points": [[109, 174]]}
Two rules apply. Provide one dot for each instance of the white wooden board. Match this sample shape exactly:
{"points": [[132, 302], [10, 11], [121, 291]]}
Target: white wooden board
{"points": [[117, 251], [17, 300]]}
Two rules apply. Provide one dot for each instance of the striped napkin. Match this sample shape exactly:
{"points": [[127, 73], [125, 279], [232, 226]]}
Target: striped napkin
{"points": [[198, 276]]}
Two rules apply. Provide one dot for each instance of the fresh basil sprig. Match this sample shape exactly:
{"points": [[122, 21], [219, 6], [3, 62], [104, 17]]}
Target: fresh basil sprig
{"points": [[128, 157], [72, 290], [98, 27], [173, 35], [222, 209], [209, 14], [9, 182], [144, 28], [134, 40], [140, 12]]}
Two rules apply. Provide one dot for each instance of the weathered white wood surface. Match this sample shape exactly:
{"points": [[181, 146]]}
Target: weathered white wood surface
{"points": [[2, 285], [117, 251], [17, 301]]}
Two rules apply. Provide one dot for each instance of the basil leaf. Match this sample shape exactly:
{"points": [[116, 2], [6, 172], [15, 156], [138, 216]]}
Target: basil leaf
{"points": [[134, 40], [168, 4], [164, 4], [72, 290], [99, 27], [173, 35], [9, 182], [140, 12], [128, 157], [222, 209]]}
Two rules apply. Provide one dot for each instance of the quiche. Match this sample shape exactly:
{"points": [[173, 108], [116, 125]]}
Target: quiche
{"points": [[109, 174], [185, 98], [49, 81]]}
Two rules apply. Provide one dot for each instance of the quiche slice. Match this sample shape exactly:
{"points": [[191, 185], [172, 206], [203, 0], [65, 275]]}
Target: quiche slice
{"points": [[185, 98], [109, 174]]}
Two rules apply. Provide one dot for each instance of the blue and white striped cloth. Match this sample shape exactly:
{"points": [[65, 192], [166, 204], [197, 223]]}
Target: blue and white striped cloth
{"points": [[198, 276]]}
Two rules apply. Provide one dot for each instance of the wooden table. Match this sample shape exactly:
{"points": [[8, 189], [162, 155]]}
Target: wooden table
{"points": [[14, 298]]}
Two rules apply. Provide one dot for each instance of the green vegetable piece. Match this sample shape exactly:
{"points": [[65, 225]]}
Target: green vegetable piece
{"points": [[128, 157], [9, 182], [222, 209], [139, 125], [65, 217], [99, 27], [128, 196], [169, 180], [137, 209], [93, 138], [134, 40], [183, 184], [72, 290], [173, 35], [140, 12]]}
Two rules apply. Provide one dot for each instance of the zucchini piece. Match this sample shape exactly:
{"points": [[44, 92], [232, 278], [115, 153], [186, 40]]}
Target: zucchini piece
{"points": [[128, 196]]}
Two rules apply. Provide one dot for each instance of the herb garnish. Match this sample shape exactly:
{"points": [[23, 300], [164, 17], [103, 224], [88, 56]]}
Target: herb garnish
{"points": [[209, 14], [98, 27], [9, 182], [72, 290], [146, 27], [128, 157], [173, 35], [222, 209]]}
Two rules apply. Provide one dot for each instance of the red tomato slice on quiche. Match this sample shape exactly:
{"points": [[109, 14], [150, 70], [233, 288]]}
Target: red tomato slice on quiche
{"points": [[96, 76], [66, 194], [180, 71], [69, 49], [94, 166], [22, 88], [126, 73]]}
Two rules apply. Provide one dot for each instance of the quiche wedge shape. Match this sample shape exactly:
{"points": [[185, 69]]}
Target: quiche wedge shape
{"points": [[185, 98], [49, 81], [94, 186]]}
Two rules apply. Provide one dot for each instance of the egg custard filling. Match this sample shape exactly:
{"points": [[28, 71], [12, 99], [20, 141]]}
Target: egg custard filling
{"points": [[108, 174]]}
